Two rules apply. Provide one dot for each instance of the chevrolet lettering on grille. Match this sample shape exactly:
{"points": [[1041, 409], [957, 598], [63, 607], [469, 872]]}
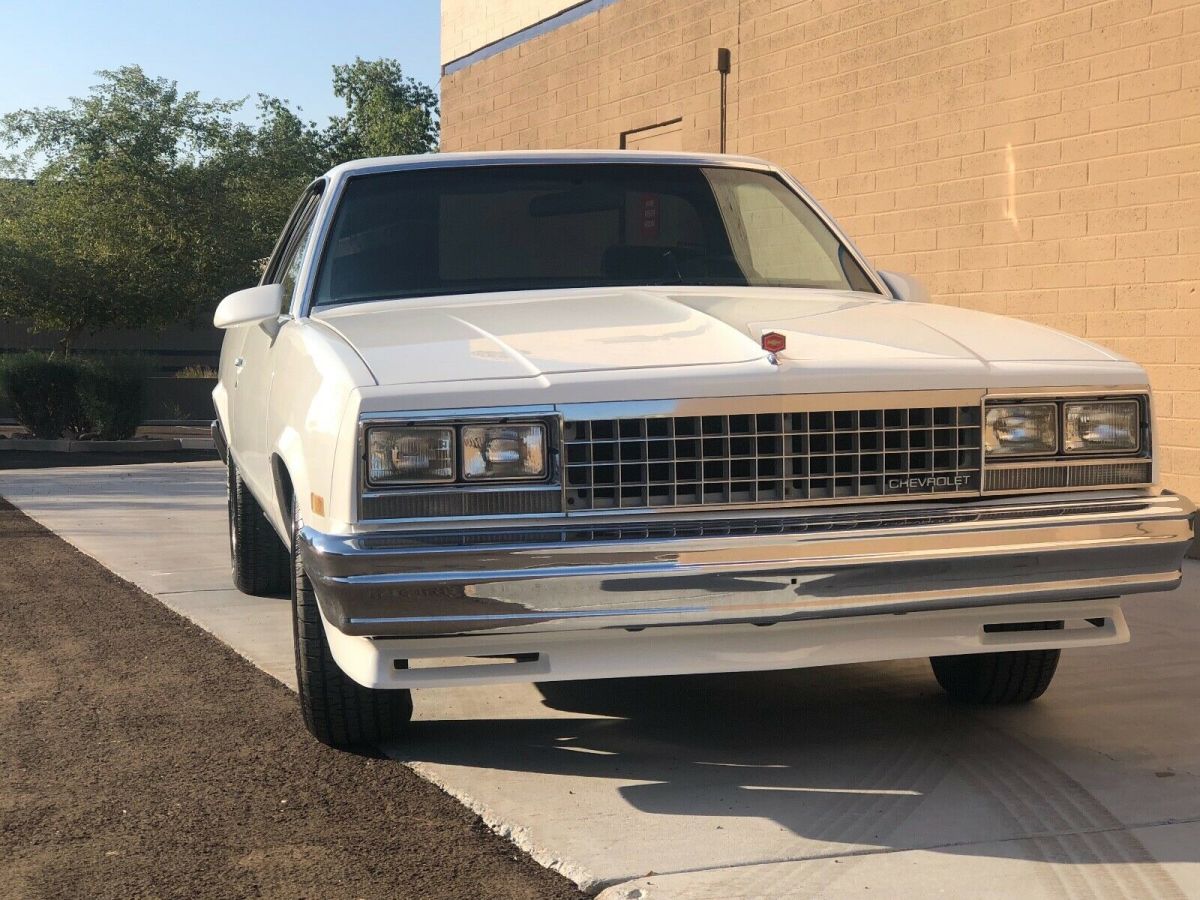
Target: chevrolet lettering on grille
{"points": [[915, 484]]}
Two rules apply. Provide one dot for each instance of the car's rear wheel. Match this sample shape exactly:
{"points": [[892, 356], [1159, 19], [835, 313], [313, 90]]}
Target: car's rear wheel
{"points": [[995, 678], [260, 559], [338, 711]]}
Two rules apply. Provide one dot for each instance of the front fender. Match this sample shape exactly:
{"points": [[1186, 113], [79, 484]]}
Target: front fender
{"points": [[315, 386]]}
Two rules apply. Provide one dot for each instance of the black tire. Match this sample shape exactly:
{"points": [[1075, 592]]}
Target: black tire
{"points": [[337, 710], [260, 560], [995, 678]]}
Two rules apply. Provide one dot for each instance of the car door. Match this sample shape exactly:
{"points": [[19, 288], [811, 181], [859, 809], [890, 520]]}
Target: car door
{"points": [[254, 368]]}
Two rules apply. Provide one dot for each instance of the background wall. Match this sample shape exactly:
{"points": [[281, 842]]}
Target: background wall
{"points": [[175, 347], [1037, 158], [467, 26]]}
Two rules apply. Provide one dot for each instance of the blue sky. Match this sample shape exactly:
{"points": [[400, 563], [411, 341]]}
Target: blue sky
{"points": [[220, 48]]}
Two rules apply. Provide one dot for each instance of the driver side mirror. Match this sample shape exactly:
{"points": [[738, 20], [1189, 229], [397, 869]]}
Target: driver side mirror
{"points": [[256, 304], [905, 287]]}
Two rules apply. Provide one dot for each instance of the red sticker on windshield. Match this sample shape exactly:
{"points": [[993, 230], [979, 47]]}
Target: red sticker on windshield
{"points": [[650, 215]]}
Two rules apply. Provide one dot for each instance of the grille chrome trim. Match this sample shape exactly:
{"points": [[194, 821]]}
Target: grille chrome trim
{"points": [[460, 503], [1064, 476], [794, 524], [723, 459], [768, 403]]}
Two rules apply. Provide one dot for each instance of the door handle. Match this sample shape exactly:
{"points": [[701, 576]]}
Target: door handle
{"points": [[239, 362]]}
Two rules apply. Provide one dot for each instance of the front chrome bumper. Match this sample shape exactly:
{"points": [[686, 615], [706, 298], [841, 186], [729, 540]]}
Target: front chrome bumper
{"points": [[766, 569]]}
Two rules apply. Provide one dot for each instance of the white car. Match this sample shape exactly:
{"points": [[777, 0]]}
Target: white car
{"points": [[525, 417]]}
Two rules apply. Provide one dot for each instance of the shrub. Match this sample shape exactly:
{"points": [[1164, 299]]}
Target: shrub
{"points": [[44, 393], [112, 393]]}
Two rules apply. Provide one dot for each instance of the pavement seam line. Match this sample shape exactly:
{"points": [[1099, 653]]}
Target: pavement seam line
{"points": [[199, 591]]}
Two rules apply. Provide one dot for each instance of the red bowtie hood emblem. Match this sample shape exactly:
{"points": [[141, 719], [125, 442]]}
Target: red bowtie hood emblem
{"points": [[773, 341]]}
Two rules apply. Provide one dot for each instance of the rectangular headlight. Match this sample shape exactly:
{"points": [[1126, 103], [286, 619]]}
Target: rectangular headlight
{"points": [[503, 452], [403, 455], [1021, 429], [1110, 426]]}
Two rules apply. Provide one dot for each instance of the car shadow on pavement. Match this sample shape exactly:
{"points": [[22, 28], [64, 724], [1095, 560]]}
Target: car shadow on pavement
{"points": [[846, 759]]}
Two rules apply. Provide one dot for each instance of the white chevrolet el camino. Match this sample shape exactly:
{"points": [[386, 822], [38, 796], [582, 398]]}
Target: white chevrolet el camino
{"points": [[525, 417]]}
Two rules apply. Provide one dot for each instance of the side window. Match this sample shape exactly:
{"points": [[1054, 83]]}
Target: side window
{"points": [[284, 265], [289, 264]]}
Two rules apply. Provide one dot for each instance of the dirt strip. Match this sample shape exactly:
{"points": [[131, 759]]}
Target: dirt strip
{"points": [[140, 757]]}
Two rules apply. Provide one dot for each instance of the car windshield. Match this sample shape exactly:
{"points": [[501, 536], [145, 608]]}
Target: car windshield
{"points": [[478, 229]]}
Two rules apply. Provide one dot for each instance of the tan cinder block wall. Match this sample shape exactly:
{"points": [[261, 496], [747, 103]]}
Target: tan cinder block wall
{"points": [[470, 24], [1039, 158], [632, 64]]}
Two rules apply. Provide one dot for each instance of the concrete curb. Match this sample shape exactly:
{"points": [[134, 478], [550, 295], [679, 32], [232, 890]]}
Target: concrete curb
{"points": [[34, 445], [513, 832], [204, 443]]}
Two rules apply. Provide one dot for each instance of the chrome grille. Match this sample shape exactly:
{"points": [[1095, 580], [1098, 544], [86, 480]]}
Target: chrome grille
{"points": [[771, 457]]}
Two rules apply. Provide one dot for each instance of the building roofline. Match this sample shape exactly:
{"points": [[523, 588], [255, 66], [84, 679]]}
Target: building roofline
{"points": [[572, 12]]}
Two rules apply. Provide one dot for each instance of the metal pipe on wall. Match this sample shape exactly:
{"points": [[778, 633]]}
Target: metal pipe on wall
{"points": [[724, 59]]}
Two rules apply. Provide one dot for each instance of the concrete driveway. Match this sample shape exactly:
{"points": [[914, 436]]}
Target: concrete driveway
{"points": [[819, 782]]}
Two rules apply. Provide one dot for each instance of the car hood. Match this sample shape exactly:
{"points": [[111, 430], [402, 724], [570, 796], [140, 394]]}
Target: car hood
{"points": [[842, 340]]}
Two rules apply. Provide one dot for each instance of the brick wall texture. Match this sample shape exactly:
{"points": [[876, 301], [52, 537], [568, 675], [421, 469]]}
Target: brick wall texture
{"points": [[1039, 158], [468, 25]]}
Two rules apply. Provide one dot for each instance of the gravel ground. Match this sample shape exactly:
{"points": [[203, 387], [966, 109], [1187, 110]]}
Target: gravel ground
{"points": [[140, 757]]}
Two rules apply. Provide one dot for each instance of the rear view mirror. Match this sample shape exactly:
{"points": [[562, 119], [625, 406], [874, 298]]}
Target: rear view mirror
{"points": [[576, 201], [905, 287], [255, 304]]}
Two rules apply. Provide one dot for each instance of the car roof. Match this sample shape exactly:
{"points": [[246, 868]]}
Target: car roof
{"points": [[538, 157]]}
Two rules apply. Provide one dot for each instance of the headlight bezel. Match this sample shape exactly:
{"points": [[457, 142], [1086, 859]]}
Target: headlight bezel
{"points": [[1063, 400], [460, 482]]}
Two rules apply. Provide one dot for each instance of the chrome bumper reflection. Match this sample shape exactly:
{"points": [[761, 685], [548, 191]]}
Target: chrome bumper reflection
{"points": [[410, 584]]}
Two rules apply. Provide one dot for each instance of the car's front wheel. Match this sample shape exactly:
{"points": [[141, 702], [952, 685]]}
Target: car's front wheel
{"points": [[995, 678], [337, 710], [258, 556]]}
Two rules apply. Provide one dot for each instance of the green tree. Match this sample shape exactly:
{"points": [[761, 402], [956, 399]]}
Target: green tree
{"points": [[131, 219], [270, 163], [387, 113], [147, 204]]}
